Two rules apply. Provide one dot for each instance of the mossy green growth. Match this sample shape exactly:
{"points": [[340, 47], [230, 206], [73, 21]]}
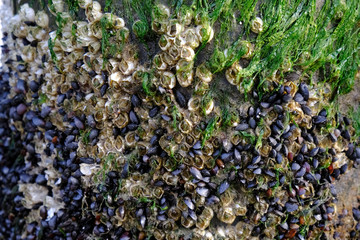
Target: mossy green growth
{"points": [[355, 115], [84, 136], [209, 130], [51, 45], [108, 48], [147, 85], [140, 29], [73, 6], [108, 5], [107, 164], [175, 113]]}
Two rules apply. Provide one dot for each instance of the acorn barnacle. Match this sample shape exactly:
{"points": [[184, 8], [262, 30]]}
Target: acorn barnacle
{"points": [[257, 25], [232, 74]]}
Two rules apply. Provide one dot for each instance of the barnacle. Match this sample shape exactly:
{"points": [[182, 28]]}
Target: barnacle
{"points": [[257, 25], [233, 74]]}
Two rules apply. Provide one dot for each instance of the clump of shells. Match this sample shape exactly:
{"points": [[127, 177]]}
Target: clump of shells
{"points": [[115, 149]]}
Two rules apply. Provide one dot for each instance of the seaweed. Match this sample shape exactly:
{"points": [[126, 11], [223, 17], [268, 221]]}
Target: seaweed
{"points": [[73, 6], [355, 115], [209, 130]]}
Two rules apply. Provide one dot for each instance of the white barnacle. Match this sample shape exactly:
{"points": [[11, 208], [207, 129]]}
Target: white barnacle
{"points": [[257, 25], [42, 19], [27, 13], [232, 74]]}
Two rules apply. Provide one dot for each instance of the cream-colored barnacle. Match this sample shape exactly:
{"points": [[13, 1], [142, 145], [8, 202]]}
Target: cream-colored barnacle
{"points": [[83, 33], [226, 215], [130, 139], [185, 78], [115, 80], [56, 7], [127, 66], [187, 53], [112, 65], [95, 29], [167, 58], [185, 15], [97, 65], [257, 25], [164, 42], [122, 35], [87, 59], [93, 11], [174, 52], [168, 80], [174, 28], [128, 84], [159, 27], [185, 126], [94, 47], [42, 19], [84, 3], [194, 103], [159, 63], [184, 65], [27, 13], [208, 236], [203, 73], [97, 82], [21, 31], [118, 22], [138, 74], [243, 230], [28, 53], [37, 33], [209, 107], [232, 74], [187, 222], [57, 45], [240, 209], [184, 72], [190, 37], [119, 144], [179, 41], [204, 33], [129, 53], [161, 12], [66, 44], [249, 49], [121, 120]]}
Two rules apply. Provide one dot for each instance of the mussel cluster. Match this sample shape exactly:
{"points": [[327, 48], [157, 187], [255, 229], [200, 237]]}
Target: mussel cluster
{"points": [[110, 148]]}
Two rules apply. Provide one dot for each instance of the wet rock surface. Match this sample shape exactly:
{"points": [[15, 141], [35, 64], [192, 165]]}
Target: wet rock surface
{"points": [[99, 157]]}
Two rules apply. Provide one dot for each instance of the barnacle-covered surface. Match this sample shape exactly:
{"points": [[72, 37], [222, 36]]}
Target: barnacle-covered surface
{"points": [[176, 121]]}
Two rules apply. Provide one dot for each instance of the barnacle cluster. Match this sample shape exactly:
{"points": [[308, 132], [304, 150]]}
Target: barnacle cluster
{"points": [[119, 149]]}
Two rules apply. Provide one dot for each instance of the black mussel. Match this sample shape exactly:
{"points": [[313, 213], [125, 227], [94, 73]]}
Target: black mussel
{"points": [[180, 99], [223, 187], [295, 166], [154, 111], [135, 100], [196, 173], [103, 89], [252, 123], [291, 207], [78, 123], [303, 88], [133, 118], [319, 120], [203, 191], [242, 127]]}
